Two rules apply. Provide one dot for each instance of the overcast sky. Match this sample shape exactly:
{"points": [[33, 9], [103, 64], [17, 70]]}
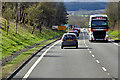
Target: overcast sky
{"points": [[91, 0], [85, 0]]}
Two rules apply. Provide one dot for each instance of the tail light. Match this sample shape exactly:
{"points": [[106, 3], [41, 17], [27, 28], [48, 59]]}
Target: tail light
{"points": [[105, 29], [91, 30], [62, 39], [75, 39], [89, 25]]}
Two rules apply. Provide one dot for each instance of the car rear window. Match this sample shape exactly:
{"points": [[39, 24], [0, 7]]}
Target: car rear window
{"points": [[72, 37], [74, 33], [71, 32]]}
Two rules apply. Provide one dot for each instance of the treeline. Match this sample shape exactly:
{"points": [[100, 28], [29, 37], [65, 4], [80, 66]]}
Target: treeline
{"points": [[77, 6], [34, 13], [113, 11], [78, 21]]}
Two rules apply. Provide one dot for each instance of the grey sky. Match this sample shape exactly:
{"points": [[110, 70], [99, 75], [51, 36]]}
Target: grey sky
{"points": [[60, 0], [85, 0], [91, 0]]}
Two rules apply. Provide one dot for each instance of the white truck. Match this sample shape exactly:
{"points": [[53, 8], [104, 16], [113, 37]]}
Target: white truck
{"points": [[98, 28]]}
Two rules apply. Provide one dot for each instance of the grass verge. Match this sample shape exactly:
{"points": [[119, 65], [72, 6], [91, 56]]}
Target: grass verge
{"points": [[114, 35], [16, 62]]}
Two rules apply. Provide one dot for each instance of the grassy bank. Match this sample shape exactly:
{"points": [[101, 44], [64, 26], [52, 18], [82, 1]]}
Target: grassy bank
{"points": [[16, 62], [14, 42], [114, 34]]}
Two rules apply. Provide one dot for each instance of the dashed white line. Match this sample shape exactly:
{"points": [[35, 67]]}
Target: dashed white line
{"points": [[93, 55], [38, 60], [90, 51], [86, 46], [97, 61], [104, 68]]}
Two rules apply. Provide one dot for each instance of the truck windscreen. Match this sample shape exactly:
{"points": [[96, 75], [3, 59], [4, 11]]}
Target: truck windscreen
{"points": [[99, 23]]}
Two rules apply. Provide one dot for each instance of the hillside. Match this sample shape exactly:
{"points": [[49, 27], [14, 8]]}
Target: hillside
{"points": [[76, 6], [14, 42], [85, 12]]}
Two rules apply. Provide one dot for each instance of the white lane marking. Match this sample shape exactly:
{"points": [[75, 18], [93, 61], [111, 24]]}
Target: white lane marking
{"points": [[114, 43], [97, 61], [84, 41], [90, 51], [38, 60], [104, 68], [93, 55]]}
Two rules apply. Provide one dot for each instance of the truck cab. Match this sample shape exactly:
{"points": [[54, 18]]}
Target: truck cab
{"points": [[98, 28]]}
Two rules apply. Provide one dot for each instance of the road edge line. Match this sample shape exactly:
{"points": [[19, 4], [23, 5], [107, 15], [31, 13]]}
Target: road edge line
{"points": [[26, 61], [37, 61]]}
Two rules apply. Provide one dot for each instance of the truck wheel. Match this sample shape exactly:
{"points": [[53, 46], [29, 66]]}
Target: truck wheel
{"points": [[61, 47], [76, 46], [91, 40], [106, 41]]}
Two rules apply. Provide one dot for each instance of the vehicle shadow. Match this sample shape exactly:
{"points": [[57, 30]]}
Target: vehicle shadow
{"points": [[48, 56], [115, 41], [52, 56], [101, 41], [77, 48]]}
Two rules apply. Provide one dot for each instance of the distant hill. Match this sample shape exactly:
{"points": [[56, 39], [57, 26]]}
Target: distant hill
{"points": [[77, 6]]}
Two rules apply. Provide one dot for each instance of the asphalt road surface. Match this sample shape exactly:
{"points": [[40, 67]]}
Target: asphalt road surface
{"points": [[92, 61]]}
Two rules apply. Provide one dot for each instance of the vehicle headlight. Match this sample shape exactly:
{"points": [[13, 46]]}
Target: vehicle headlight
{"points": [[107, 36]]}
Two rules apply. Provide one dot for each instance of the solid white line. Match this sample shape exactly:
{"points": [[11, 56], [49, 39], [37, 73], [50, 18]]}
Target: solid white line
{"points": [[38, 60], [93, 55], [104, 68], [97, 61]]}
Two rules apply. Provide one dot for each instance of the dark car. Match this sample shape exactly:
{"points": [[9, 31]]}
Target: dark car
{"points": [[69, 40], [77, 34]]}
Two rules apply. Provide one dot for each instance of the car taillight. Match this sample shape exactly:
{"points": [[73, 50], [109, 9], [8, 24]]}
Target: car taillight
{"points": [[91, 30], [75, 39], [62, 39], [105, 29], [89, 25]]}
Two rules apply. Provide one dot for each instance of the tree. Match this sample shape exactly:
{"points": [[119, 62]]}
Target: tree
{"points": [[112, 12], [61, 14], [34, 16], [7, 15]]}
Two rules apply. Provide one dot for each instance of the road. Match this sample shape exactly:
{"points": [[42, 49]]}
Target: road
{"points": [[92, 61]]}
